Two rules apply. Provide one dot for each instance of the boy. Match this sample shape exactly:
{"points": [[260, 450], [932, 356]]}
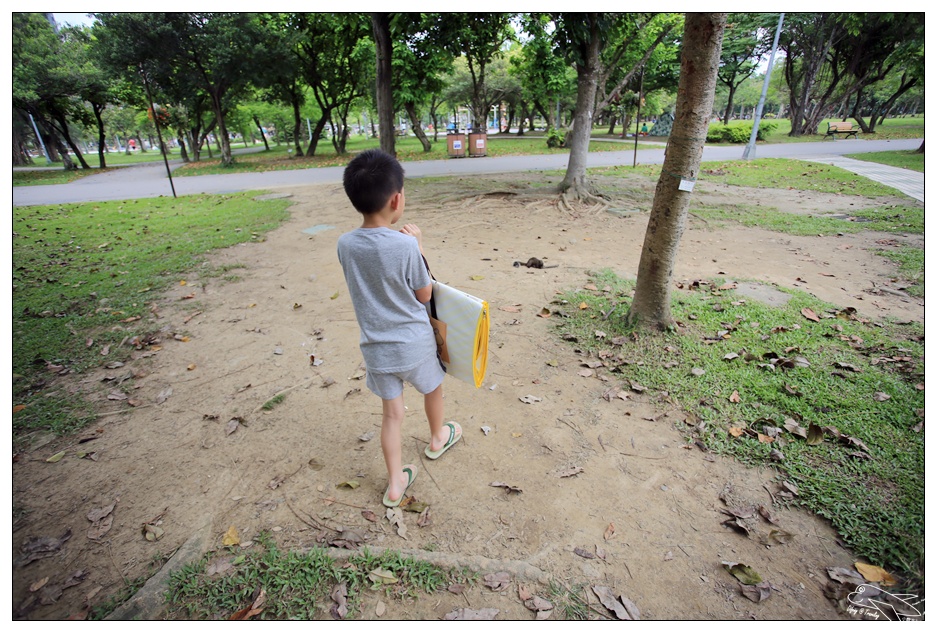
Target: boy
{"points": [[389, 285]]}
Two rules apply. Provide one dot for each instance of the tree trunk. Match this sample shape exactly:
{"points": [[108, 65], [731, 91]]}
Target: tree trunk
{"points": [[384, 47], [102, 137], [575, 184], [262, 135], [68, 139], [523, 117], [297, 127], [182, 152], [317, 133], [612, 123], [728, 108], [920, 148], [699, 61], [434, 115], [222, 136], [417, 126]]}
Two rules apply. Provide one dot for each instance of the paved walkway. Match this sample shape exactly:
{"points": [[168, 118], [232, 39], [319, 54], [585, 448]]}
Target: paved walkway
{"points": [[149, 180], [906, 181]]}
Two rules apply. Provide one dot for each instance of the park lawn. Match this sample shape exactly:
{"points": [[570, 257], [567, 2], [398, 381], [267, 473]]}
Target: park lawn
{"points": [[84, 275], [832, 400], [890, 129], [776, 173], [56, 176], [903, 159]]}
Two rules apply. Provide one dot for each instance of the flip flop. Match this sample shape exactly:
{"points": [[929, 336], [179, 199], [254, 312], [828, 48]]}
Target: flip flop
{"points": [[411, 473], [455, 433]]}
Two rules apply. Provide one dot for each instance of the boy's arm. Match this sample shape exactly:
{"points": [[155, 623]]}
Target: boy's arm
{"points": [[423, 295]]}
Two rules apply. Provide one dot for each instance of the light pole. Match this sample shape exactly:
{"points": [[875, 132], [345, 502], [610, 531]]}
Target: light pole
{"points": [[750, 150]]}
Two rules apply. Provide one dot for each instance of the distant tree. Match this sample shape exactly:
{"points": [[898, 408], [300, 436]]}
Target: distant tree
{"points": [[747, 39], [544, 75], [383, 47], [479, 37]]}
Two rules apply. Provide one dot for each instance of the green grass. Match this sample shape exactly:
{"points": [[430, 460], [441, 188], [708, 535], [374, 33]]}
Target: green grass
{"points": [[80, 271], [893, 219], [875, 502], [297, 584], [910, 267], [58, 176], [273, 402], [903, 159], [890, 129], [775, 173]]}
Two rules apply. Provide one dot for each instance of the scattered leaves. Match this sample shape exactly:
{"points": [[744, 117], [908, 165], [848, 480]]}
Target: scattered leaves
{"points": [[623, 608], [809, 314], [758, 592], [875, 574], [743, 573]]}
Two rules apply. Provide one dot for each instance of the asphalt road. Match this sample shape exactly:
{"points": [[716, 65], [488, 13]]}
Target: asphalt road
{"points": [[150, 180]]}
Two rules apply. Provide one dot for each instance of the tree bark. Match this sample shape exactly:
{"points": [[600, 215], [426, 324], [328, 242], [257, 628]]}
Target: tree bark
{"points": [[297, 128], [417, 126], [575, 184], [384, 47], [102, 138], [262, 135], [317, 133], [920, 148], [699, 61], [63, 130]]}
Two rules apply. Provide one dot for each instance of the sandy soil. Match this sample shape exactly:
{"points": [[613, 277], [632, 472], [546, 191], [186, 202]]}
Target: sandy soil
{"points": [[246, 340]]}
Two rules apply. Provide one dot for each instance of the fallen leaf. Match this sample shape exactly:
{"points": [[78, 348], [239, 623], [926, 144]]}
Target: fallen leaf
{"points": [[875, 574], [367, 436], [369, 515], [743, 573], [339, 594], [468, 614], [758, 592], [382, 576], [513, 309], [530, 399], [570, 472], [190, 367], [232, 425], [735, 397], [509, 488], [456, 589], [637, 388], [497, 581], [425, 518], [736, 432], [698, 372], [476, 277], [624, 609], [583, 305], [537, 604], [38, 584], [586, 373], [220, 567], [778, 536], [40, 547], [55, 458], [881, 397], [348, 485], [730, 356], [164, 395], [609, 531], [333, 297], [765, 514], [809, 314], [230, 538], [380, 609], [588, 555], [152, 532], [814, 435]]}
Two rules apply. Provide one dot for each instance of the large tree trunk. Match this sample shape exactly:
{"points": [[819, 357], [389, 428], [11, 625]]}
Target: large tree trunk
{"points": [[698, 71], [575, 184], [317, 133], [417, 126], [63, 130], [920, 148], [730, 106], [222, 136], [384, 47]]}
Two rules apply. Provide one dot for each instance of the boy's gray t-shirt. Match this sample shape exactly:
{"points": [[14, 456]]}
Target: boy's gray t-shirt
{"points": [[383, 268]]}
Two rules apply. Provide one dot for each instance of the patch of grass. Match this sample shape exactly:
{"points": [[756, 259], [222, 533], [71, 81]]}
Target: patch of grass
{"points": [[910, 268], [895, 219], [776, 173], [273, 402], [91, 272], [890, 129], [58, 176], [903, 159], [568, 603], [873, 496], [297, 585]]}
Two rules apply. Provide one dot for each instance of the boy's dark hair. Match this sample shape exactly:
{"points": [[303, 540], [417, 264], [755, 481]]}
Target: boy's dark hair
{"points": [[371, 179]]}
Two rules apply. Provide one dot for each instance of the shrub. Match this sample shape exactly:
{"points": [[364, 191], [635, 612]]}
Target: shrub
{"points": [[555, 138], [739, 132]]}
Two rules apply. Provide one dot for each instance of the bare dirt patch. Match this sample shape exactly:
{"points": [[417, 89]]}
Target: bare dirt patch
{"points": [[239, 343]]}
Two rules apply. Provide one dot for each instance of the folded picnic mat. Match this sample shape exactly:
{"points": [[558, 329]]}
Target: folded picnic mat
{"points": [[468, 322]]}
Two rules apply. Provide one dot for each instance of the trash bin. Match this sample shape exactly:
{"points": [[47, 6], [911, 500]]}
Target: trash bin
{"points": [[456, 144], [477, 141]]}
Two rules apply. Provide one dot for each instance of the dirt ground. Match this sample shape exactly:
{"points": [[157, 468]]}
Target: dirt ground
{"points": [[246, 340]]}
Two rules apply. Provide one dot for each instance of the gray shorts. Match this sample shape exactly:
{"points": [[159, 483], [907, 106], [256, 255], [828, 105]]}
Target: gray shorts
{"points": [[425, 378]]}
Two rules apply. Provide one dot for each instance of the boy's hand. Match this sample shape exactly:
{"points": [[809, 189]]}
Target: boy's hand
{"points": [[413, 231]]}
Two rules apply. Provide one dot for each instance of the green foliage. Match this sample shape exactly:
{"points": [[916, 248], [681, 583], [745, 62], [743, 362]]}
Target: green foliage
{"points": [[555, 137], [738, 132], [872, 490], [81, 270], [296, 584]]}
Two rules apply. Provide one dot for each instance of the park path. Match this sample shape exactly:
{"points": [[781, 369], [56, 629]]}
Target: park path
{"points": [[146, 181]]}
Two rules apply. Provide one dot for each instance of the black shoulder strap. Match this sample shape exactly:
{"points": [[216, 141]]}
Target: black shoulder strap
{"points": [[432, 304]]}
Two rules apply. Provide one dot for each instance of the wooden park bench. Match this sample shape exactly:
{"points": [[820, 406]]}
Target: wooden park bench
{"points": [[841, 128]]}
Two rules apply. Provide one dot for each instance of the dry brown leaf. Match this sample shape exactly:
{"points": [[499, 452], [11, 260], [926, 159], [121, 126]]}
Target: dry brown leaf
{"points": [[230, 538], [809, 314], [875, 574], [609, 531], [735, 397]]}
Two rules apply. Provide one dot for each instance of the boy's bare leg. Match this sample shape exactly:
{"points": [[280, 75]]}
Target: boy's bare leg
{"points": [[435, 413], [391, 438]]}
